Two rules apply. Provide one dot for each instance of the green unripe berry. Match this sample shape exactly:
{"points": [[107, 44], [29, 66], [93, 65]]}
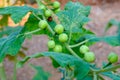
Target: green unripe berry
{"points": [[51, 44], [43, 24], [56, 4], [89, 57], [59, 28], [83, 49], [48, 13], [63, 37], [112, 57], [57, 48]]}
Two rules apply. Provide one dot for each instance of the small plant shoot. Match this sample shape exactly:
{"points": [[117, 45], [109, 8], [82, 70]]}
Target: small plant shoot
{"points": [[68, 41]]}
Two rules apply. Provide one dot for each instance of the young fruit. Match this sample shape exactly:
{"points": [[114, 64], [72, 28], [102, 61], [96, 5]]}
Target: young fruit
{"points": [[112, 57], [57, 48], [63, 37], [59, 28], [48, 13], [83, 49], [56, 4], [43, 24], [51, 44], [89, 57]]}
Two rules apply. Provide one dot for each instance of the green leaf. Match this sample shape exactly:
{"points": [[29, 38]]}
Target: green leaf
{"points": [[11, 44], [4, 20], [73, 18], [17, 12], [111, 75], [111, 23], [81, 67], [8, 30], [40, 73], [84, 10]]}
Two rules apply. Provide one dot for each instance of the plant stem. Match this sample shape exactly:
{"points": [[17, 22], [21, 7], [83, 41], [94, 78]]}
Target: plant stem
{"points": [[31, 32], [78, 44], [94, 76], [49, 28], [2, 72], [108, 69], [71, 51], [27, 33], [38, 2], [36, 16], [70, 34], [15, 71]]}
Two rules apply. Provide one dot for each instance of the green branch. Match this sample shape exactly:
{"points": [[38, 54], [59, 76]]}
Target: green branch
{"points": [[108, 69], [71, 51], [15, 70], [31, 32], [78, 44], [2, 72]]}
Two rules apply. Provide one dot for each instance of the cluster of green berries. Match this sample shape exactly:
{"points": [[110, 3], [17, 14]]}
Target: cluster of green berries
{"points": [[62, 37], [90, 56]]}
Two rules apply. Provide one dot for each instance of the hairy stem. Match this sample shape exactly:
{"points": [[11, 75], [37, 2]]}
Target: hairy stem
{"points": [[78, 44], [15, 70], [49, 28], [71, 51], [27, 33], [36, 16], [2, 72], [108, 69], [94, 76]]}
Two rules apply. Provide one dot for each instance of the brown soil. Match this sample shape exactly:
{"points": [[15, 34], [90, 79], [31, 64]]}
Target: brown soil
{"points": [[100, 15]]}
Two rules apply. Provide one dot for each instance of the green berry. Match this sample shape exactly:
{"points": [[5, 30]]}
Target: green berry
{"points": [[59, 28], [51, 44], [112, 57], [83, 49], [57, 48], [63, 37], [56, 4], [48, 13], [89, 57], [43, 24]]}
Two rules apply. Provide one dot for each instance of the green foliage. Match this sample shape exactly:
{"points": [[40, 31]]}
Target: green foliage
{"points": [[111, 75], [4, 20], [11, 44], [81, 67], [16, 12], [40, 73], [8, 30], [73, 17], [64, 49]]}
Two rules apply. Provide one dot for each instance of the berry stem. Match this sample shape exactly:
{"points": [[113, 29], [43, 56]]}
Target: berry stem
{"points": [[36, 16], [31, 32], [71, 51], [78, 44], [2, 72], [49, 28], [108, 69], [107, 65]]}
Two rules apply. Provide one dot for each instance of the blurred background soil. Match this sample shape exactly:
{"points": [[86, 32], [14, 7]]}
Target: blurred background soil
{"points": [[102, 11]]}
